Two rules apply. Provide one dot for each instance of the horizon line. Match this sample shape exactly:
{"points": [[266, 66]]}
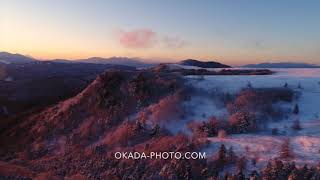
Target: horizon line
{"points": [[162, 60]]}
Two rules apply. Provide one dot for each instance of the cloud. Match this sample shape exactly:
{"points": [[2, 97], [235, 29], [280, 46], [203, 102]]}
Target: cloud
{"points": [[174, 42], [259, 44], [140, 38], [148, 38]]}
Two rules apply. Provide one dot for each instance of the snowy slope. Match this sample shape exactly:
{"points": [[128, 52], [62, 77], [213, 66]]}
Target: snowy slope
{"points": [[263, 146]]}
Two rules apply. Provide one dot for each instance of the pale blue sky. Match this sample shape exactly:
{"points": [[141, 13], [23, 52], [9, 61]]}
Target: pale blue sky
{"points": [[231, 31]]}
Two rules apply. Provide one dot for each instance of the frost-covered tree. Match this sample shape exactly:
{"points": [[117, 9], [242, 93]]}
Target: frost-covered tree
{"points": [[222, 133], [242, 122], [285, 150]]}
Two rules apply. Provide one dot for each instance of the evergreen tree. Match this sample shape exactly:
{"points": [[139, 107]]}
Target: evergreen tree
{"points": [[155, 130], [241, 164], [274, 131], [231, 156], [294, 175], [267, 171], [296, 109], [296, 125], [254, 175], [254, 162], [222, 153], [221, 161], [240, 176]]}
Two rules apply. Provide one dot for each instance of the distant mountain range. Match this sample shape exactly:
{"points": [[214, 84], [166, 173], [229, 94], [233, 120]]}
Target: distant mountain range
{"points": [[116, 60], [9, 58], [203, 64], [282, 65]]}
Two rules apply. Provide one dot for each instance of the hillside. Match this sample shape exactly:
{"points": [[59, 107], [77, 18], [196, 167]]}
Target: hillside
{"points": [[8, 58], [158, 111], [78, 135], [203, 64], [24, 86]]}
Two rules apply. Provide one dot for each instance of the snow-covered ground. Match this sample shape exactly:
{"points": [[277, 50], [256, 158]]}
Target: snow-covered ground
{"points": [[264, 146]]}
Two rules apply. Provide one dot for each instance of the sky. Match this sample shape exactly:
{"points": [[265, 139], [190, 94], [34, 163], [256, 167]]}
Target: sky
{"points": [[234, 32]]}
